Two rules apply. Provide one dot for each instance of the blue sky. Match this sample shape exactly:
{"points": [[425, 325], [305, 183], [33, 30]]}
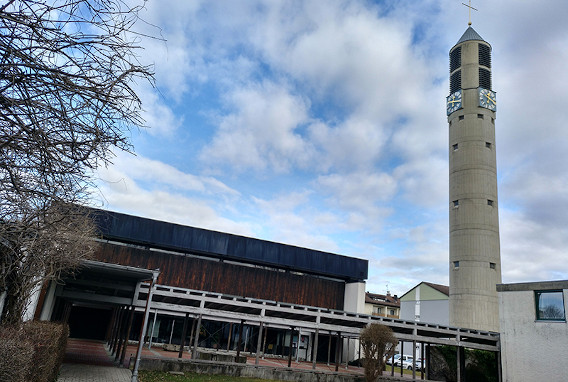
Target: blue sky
{"points": [[322, 124]]}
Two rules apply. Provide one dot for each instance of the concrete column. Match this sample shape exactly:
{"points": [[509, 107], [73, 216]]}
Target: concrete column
{"points": [[118, 330], [195, 353], [264, 340], [183, 335], [329, 349], [315, 349], [258, 344], [337, 351], [127, 335], [48, 302], [290, 351]]}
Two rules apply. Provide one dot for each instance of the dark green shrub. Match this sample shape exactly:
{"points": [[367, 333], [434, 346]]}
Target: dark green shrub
{"points": [[480, 365]]}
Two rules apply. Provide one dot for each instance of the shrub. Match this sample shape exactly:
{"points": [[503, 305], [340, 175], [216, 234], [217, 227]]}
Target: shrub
{"points": [[480, 365], [32, 351], [16, 356], [378, 343]]}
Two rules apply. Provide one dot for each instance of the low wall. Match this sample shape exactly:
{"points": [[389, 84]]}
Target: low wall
{"points": [[240, 370]]}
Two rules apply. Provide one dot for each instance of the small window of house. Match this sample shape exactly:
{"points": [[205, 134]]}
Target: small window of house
{"points": [[549, 305]]}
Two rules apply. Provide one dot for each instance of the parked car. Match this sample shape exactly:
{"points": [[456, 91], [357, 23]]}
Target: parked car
{"points": [[407, 361], [390, 359]]}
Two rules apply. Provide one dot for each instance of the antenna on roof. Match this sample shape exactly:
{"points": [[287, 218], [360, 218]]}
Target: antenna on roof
{"points": [[388, 291], [470, 8]]}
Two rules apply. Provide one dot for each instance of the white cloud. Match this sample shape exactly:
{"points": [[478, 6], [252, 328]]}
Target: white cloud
{"points": [[261, 132], [327, 120], [153, 189]]}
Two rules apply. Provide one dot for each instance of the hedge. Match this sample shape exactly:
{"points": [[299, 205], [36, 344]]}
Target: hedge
{"points": [[32, 351]]}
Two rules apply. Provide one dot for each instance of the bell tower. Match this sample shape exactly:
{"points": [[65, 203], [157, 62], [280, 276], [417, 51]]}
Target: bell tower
{"points": [[475, 265]]}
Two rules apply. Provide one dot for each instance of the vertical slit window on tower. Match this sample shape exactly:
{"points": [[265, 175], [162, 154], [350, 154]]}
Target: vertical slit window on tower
{"points": [[455, 146], [456, 203], [480, 116], [456, 264], [455, 82], [490, 202], [461, 117], [488, 145], [492, 265]]}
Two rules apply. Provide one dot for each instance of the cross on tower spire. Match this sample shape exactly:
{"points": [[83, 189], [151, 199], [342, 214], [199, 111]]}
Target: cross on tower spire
{"points": [[470, 8]]}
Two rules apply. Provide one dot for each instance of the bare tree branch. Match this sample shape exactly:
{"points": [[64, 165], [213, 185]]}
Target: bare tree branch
{"points": [[67, 98]]}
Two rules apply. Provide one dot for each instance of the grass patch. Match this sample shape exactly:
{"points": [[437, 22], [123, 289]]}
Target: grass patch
{"points": [[159, 376], [397, 371]]}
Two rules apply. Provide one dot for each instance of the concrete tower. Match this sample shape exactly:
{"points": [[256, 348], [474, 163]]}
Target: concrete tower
{"points": [[475, 265]]}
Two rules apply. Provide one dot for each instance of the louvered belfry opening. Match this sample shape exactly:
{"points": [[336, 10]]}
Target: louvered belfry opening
{"points": [[455, 71], [485, 66]]}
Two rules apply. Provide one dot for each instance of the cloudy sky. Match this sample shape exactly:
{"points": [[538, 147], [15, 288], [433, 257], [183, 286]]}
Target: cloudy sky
{"points": [[322, 124]]}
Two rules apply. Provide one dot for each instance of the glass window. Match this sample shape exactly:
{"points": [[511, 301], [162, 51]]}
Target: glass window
{"points": [[550, 305]]}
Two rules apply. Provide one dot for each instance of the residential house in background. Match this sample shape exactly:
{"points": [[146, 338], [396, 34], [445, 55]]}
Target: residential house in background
{"points": [[382, 305], [426, 302]]}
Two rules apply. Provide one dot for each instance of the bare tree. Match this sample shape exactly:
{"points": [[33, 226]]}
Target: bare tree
{"points": [[378, 343], [67, 98]]}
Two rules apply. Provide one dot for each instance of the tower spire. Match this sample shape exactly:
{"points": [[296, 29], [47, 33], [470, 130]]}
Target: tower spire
{"points": [[470, 8]]}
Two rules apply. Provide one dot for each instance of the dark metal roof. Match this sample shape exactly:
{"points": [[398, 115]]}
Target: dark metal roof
{"points": [[470, 34], [170, 236]]}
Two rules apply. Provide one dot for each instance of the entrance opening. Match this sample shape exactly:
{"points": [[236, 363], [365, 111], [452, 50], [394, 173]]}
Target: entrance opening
{"points": [[89, 323]]}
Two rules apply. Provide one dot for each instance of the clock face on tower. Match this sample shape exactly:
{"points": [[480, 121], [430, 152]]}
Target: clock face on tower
{"points": [[487, 99], [454, 102]]}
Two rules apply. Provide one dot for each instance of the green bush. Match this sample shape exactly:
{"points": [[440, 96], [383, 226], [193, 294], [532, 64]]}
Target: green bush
{"points": [[480, 365], [32, 351]]}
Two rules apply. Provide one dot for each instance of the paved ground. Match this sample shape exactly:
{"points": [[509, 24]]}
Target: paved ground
{"points": [[89, 361], [92, 373]]}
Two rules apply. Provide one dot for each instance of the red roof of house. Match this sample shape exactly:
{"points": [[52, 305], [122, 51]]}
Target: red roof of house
{"points": [[381, 299]]}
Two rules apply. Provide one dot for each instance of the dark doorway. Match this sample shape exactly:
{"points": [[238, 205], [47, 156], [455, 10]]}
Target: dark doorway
{"points": [[89, 323]]}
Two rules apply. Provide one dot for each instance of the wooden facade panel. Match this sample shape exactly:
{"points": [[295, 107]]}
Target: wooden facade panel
{"points": [[221, 277]]}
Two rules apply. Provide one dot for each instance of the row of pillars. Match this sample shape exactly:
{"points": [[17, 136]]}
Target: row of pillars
{"points": [[118, 332], [121, 325], [422, 365]]}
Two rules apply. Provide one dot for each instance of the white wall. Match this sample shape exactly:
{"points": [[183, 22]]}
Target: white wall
{"points": [[354, 298], [354, 301], [531, 350]]}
